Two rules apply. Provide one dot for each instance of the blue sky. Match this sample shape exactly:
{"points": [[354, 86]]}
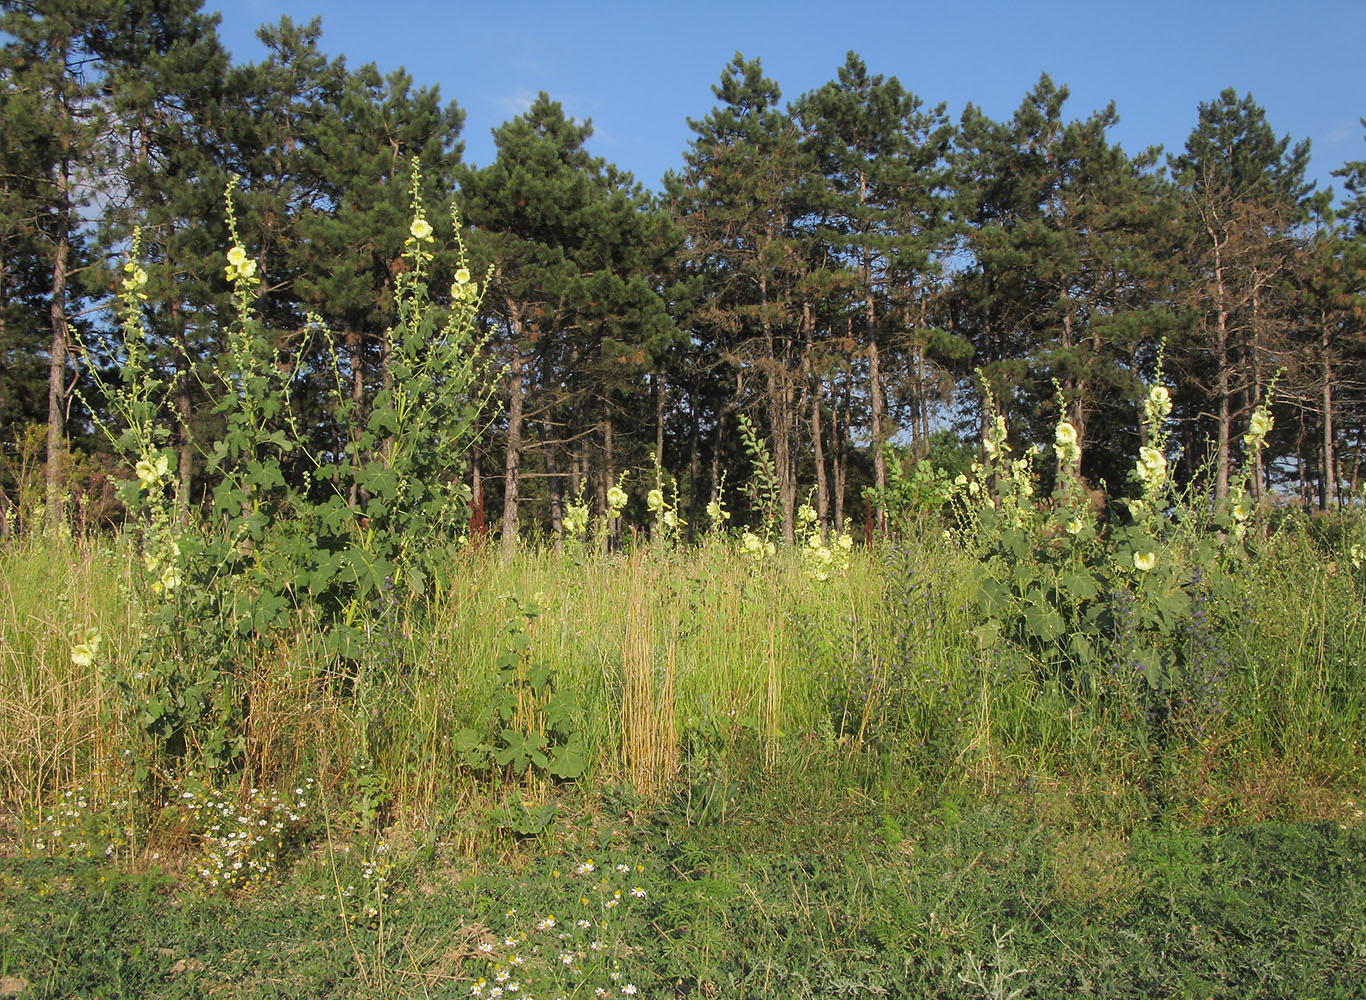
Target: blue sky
{"points": [[640, 70]]}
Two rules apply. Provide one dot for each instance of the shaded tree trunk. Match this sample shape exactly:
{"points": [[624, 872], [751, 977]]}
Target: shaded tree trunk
{"points": [[512, 457], [56, 380], [554, 483]]}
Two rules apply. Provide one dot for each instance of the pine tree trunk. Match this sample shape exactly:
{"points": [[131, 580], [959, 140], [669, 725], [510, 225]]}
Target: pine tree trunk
{"points": [[554, 484], [609, 472], [816, 384], [716, 454], [839, 434], [1223, 386], [1329, 458], [694, 460], [778, 416], [876, 399], [512, 460], [657, 383], [56, 377]]}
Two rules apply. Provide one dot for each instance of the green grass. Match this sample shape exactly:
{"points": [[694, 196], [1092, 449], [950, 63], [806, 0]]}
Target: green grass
{"points": [[818, 893], [884, 661], [855, 793]]}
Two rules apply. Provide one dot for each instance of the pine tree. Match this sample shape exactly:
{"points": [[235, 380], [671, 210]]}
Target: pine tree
{"points": [[57, 122], [1066, 232], [1243, 191], [882, 156], [166, 73], [747, 185], [575, 312]]}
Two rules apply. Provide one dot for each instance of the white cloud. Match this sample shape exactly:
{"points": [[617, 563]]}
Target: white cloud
{"points": [[515, 104]]}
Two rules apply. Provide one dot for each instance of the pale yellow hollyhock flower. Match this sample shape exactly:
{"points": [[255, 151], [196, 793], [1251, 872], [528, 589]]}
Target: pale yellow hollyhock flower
{"points": [[151, 471], [655, 499], [1158, 404], [616, 497], [1074, 526], [421, 229], [83, 653], [1152, 458], [239, 264], [1144, 561], [1152, 466], [462, 276], [1161, 398], [1065, 443], [136, 280]]}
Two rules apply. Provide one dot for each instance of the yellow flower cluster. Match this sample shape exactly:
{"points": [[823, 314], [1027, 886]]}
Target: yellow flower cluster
{"points": [[1258, 427], [666, 512], [756, 548], [241, 268], [1151, 468], [994, 443], [462, 288], [576, 519], [84, 652], [616, 498], [135, 281], [1157, 406], [820, 559], [1065, 443], [151, 471]]}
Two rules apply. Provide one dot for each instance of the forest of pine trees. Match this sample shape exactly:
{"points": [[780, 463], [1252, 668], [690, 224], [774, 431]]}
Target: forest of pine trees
{"points": [[838, 266]]}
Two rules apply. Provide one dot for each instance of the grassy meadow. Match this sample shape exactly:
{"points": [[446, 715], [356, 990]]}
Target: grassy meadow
{"points": [[314, 742], [814, 786]]}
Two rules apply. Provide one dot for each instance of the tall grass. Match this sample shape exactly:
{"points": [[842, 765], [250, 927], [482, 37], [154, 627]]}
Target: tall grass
{"points": [[56, 725], [671, 651]]}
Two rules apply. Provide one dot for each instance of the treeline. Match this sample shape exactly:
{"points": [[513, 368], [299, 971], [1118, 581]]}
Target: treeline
{"points": [[854, 270]]}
